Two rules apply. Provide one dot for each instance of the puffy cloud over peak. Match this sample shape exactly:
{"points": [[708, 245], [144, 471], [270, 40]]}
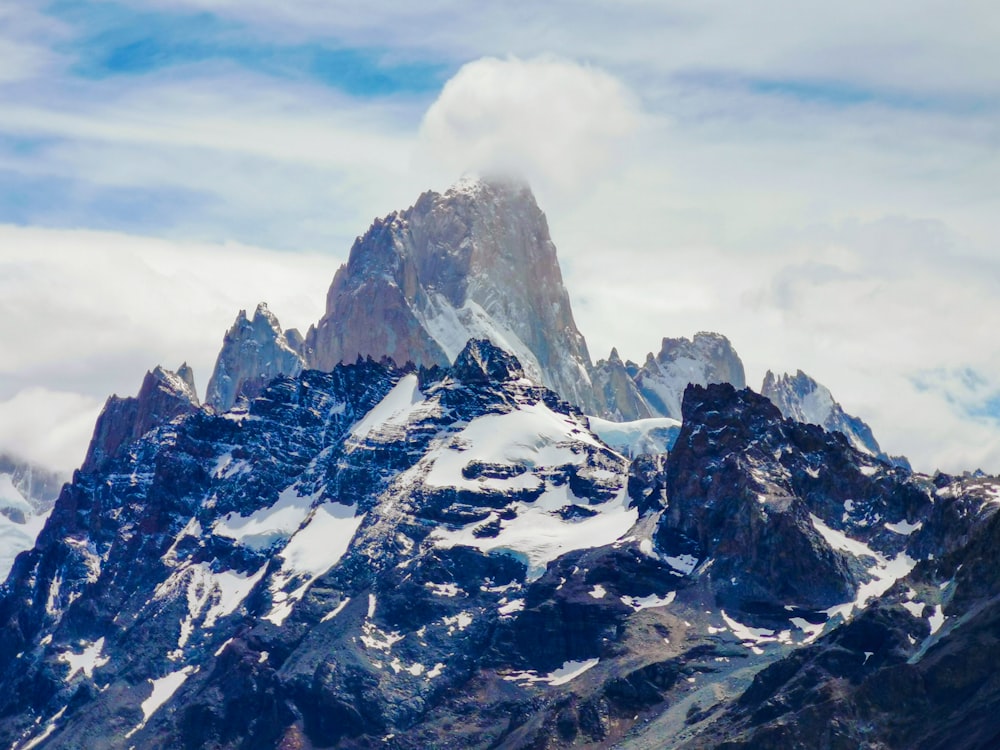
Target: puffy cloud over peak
{"points": [[551, 120]]}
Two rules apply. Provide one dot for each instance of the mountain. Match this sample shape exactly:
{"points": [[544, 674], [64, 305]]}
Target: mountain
{"points": [[343, 549], [706, 358], [27, 493], [450, 557], [254, 352], [801, 398], [476, 261]]}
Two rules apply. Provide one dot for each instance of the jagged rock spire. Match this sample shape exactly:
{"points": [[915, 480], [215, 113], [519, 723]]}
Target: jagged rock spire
{"points": [[254, 352]]}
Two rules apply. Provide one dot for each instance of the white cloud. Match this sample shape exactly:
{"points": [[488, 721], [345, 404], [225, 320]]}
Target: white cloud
{"points": [[85, 314], [49, 428], [554, 121]]}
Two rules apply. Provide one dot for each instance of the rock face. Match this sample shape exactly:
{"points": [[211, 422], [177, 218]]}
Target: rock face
{"points": [[617, 394], [475, 262], [254, 352], [917, 669], [801, 398], [750, 489], [163, 396], [707, 358]]}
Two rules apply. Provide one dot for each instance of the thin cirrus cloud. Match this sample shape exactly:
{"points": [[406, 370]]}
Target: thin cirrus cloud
{"points": [[815, 183]]}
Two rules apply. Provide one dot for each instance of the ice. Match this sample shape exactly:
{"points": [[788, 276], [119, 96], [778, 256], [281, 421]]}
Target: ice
{"points": [[49, 729], [392, 409], [336, 610], [452, 328], [457, 622], [683, 564], [163, 689], [216, 594], [444, 589], [936, 619], [435, 672], [570, 670], [538, 537], [840, 541], [516, 605], [262, 528], [748, 635], [87, 661], [884, 572], [598, 592], [11, 498], [915, 608], [635, 437], [535, 438], [532, 436], [15, 538]]}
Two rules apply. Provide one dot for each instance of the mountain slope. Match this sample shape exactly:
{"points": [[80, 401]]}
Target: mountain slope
{"points": [[27, 494], [706, 358]]}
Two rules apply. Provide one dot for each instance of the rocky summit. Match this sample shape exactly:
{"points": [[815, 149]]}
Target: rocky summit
{"points": [[474, 261], [433, 523]]}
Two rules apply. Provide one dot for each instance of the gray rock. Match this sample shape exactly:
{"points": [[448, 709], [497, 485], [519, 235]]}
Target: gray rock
{"points": [[801, 398], [254, 352], [475, 262], [705, 359]]}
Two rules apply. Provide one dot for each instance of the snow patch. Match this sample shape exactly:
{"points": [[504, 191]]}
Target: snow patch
{"points": [[312, 551], [262, 528], [648, 602], [570, 670], [936, 619], [904, 528], [86, 661], [391, 410], [653, 435]]}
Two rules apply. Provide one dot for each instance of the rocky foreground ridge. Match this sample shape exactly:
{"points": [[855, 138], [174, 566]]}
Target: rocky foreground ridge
{"points": [[433, 522], [450, 558]]}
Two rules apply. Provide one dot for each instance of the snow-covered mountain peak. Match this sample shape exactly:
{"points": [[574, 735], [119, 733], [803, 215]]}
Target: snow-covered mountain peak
{"points": [[801, 398], [704, 359]]}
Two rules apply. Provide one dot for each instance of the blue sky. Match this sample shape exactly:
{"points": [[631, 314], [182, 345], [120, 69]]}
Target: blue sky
{"points": [[818, 181]]}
